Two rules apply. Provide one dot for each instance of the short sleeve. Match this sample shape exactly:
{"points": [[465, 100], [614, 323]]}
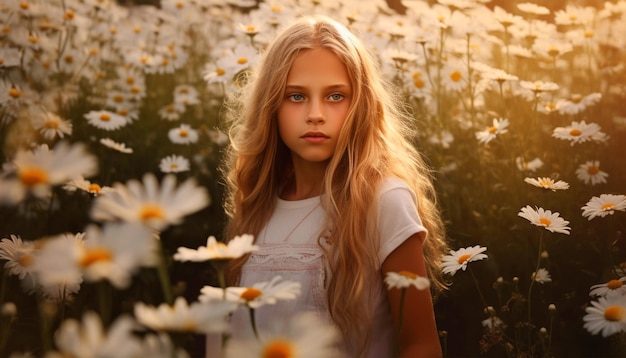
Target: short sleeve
{"points": [[398, 217]]}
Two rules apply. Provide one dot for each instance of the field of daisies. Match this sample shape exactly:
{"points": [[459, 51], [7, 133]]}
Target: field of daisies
{"points": [[111, 135]]}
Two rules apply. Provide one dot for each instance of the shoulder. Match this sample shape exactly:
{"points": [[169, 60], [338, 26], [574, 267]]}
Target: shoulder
{"points": [[393, 188]]}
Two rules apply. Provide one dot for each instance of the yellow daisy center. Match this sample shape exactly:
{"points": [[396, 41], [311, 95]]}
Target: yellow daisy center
{"points": [[15, 93], [614, 313], [24, 5], [575, 132], [151, 211], [278, 349], [118, 99], [593, 170], [51, 123], [614, 284], [220, 72], [95, 255], [408, 274], [455, 76], [419, 83], [183, 133], [463, 258], [180, 5], [545, 221], [250, 28], [545, 183], [69, 15], [25, 260], [33, 176], [242, 60], [135, 89], [94, 188], [69, 59], [607, 206], [130, 80], [576, 98], [493, 129], [589, 34], [105, 117], [250, 294]]}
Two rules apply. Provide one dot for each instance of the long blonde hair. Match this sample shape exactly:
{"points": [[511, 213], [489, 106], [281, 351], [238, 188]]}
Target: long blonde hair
{"points": [[374, 144]]}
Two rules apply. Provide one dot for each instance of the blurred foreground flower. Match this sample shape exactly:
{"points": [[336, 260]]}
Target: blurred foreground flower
{"points": [[606, 316], [182, 317], [305, 337], [19, 256], [88, 338], [590, 173], [215, 250], [458, 260], [545, 218], [542, 276], [604, 205], [405, 279], [260, 294], [36, 171], [154, 206]]}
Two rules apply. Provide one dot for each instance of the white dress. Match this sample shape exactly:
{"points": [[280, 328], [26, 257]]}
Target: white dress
{"points": [[288, 247]]}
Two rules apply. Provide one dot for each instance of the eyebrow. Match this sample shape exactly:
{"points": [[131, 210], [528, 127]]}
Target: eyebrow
{"points": [[332, 87]]}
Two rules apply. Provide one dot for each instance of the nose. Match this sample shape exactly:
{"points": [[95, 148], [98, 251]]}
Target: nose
{"points": [[315, 115]]}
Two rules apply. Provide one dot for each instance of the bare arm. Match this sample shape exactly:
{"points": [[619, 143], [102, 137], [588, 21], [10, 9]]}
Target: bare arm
{"points": [[418, 336]]}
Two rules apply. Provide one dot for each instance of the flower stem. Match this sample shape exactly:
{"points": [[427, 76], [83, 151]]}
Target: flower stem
{"points": [[482, 298], [401, 318], [164, 279], [530, 288], [253, 322]]}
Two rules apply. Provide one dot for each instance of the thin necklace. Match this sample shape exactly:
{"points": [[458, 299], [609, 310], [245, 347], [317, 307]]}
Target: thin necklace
{"points": [[295, 227]]}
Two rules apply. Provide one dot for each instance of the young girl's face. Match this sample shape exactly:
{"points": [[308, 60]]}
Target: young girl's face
{"points": [[317, 99]]}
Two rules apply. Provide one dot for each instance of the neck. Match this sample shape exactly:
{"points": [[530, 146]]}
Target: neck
{"points": [[306, 182]]}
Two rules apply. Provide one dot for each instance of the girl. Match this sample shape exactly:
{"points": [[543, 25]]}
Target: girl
{"points": [[322, 172]]}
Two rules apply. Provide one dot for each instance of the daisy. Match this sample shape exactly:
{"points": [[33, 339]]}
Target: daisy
{"points": [[604, 205], [405, 279], [182, 317], [580, 132], [545, 218], [306, 336], [117, 251], [458, 260], [551, 47], [120, 147], [147, 202], [538, 87], [218, 137], [454, 76], [90, 339], [56, 265], [530, 166], [493, 322], [174, 164], [534, 9], [81, 183], [183, 135], [542, 276], [9, 57], [172, 111], [547, 183], [499, 127], [260, 294], [243, 56], [106, 120], [614, 287], [577, 103], [215, 250], [218, 72], [51, 125], [39, 169], [20, 259], [590, 173], [186, 95], [443, 138], [606, 316]]}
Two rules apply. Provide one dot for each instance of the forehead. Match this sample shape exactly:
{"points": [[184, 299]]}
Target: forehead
{"points": [[317, 66]]}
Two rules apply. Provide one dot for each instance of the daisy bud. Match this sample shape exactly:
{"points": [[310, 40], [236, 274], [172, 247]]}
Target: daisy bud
{"points": [[552, 307], [543, 331], [490, 310], [515, 280], [544, 255], [9, 309]]}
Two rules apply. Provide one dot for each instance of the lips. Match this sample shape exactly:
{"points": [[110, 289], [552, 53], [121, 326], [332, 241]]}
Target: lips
{"points": [[314, 135]]}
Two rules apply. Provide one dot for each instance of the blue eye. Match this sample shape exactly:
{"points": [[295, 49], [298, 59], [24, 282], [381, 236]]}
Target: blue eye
{"points": [[335, 97], [296, 97]]}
